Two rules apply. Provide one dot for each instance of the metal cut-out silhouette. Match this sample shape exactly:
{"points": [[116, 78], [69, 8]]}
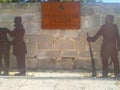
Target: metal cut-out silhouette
{"points": [[110, 44], [19, 46], [4, 51]]}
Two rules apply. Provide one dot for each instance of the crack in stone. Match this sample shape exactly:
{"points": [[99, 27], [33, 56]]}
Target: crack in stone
{"points": [[21, 85]]}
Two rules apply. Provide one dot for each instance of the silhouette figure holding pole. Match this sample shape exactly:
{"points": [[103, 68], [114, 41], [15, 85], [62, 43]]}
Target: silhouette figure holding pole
{"points": [[110, 45]]}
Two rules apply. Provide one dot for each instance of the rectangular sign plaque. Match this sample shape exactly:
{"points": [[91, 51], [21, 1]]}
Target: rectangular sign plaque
{"points": [[60, 15]]}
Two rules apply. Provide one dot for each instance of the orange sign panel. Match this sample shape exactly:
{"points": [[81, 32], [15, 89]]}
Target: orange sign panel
{"points": [[60, 15]]}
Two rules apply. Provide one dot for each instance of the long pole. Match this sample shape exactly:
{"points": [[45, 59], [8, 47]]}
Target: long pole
{"points": [[92, 60]]}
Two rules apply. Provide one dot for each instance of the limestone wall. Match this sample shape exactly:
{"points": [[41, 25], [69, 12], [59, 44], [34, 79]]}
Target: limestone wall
{"points": [[45, 48]]}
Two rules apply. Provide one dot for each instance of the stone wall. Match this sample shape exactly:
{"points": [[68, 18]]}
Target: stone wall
{"points": [[58, 49]]}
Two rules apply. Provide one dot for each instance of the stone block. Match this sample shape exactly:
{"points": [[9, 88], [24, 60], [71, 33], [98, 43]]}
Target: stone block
{"points": [[31, 50], [57, 34], [6, 11], [64, 44], [69, 54], [34, 8], [91, 22], [41, 54], [34, 30], [31, 46], [53, 53], [20, 6], [65, 64], [28, 17], [46, 64], [82, 43], [80, 64], [87, 11], [71, 34], [7, 6], [85, 54], [45, 42], [5, 18], [37, 19]]}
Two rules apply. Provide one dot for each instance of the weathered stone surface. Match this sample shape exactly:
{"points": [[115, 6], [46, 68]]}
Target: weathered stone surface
{"points": [[46, 46], [53, 53], [107, 10], [85, 54], [82, 44], [82, 64], [97, 10], [69, 54], [42, 54], [6, 11], [34, 30], [5, 18], [87, 11], [45, 42], [31, 44], [19, 5], [34, 8], [46, 63], [116, 10], [65, 64], [86, 22], [56, 34], [31, 62], [7, 6], [71, 34], [64, 44]]}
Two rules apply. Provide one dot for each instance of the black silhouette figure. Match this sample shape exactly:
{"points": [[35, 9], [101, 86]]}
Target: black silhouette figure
{"points": [[110, 45], [19, 46], [4, 50]]}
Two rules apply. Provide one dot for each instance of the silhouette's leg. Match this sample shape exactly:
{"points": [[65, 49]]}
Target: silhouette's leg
{"points": [[1, 62], [105, 67], [21, 63], [6, 59], [7, 64], [116, 65]]}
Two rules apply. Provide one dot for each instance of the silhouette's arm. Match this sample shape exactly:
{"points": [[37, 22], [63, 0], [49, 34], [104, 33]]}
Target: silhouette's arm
{"points": [[96, 36], [8, 31]]}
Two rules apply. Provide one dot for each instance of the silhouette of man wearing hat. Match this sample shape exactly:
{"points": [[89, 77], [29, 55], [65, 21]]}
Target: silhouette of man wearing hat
{"points": [[110, 45], [19, 46]]}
